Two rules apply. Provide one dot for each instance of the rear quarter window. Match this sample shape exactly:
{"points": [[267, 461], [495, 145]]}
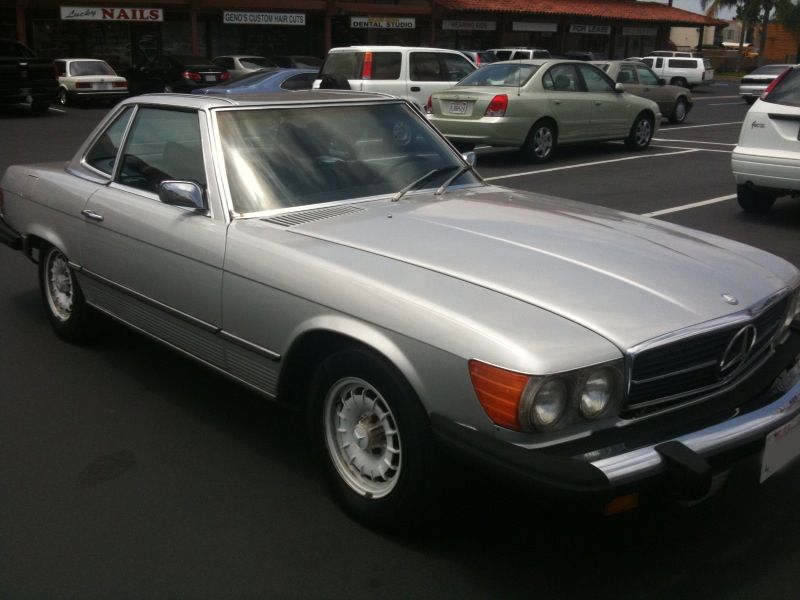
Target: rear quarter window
{"points": [[682, 63], [345, 65], [386, 65]]}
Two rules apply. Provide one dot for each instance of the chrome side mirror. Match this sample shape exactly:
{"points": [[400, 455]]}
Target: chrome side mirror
{"points": [[183, 193], [470, 157], [619, 88]]}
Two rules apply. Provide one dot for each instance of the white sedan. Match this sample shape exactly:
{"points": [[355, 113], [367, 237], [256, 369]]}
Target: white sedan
{"points": [[766, 162], [88, 79]]}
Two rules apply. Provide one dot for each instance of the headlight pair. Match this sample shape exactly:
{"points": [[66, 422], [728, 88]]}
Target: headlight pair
{"points": [[541, 403]]}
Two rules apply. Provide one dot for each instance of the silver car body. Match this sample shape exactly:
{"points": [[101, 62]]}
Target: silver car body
{"points": [[432, 280], [753, 84]]}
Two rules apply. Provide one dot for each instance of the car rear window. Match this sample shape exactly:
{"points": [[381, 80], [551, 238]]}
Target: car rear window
{"points": [[514, 74], [787, 90], [682, 63], [769, 70], [348, 65], [90, 67]]}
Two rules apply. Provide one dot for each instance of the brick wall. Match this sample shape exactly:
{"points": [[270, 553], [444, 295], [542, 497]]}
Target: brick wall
{"points": [[782, 44]]}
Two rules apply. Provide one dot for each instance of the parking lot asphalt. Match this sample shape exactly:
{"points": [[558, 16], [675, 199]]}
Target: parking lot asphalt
{"points": [[127, 471]]}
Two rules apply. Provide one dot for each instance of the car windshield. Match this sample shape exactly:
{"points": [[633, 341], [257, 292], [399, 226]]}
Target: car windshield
{"points": [[90, 67], [515, 74], [289, 157]]}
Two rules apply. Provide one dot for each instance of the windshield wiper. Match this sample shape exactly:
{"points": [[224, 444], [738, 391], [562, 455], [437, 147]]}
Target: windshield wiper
{"points": [[455, 176], [421, 180]]}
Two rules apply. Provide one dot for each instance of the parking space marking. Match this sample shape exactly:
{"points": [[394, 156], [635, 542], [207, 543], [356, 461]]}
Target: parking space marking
{"points": [[692, 142], [695, 98], [725, 104], [590, 164], [682, 127], [695, 149], [688, 206]]}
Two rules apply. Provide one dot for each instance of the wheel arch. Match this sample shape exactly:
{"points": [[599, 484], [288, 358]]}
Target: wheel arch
{"points": [[40, 238]]}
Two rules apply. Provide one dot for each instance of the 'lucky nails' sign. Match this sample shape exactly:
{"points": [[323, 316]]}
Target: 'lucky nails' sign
{"points": [[97, 13]]}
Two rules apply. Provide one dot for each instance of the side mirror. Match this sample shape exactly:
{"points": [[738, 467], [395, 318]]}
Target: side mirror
{"points": [[619, 88], [182, 193], [470, 157], [662, 81]]}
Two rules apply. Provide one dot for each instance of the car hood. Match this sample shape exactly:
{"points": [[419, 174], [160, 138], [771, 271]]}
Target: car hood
{"points": [[625, 277]]}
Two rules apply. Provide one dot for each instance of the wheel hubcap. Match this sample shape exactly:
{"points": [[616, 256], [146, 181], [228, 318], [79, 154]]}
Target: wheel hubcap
{"points": [[59, 286], [643, 132], [362, 437], [542, 142]]}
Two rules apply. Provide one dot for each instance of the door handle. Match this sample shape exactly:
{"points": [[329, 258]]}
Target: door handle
{"points": [[597, 103], [557, 102], [90, 214], [415, 89]]}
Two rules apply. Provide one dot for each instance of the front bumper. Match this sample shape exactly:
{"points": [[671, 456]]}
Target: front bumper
{"points": [[9, 237], [678, 464]]}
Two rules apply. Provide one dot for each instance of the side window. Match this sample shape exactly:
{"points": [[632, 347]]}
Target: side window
{"points": [[103, 153], [504, 54], [386, 65], [564, 78], [595, 79], [456, 67], [162, 144], [224, 63], [425, 66], [627, 74], [682, 63], [659, 62], [646, 76], [61, 65]]}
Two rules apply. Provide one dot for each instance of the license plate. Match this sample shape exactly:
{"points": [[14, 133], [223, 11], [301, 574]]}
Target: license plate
{"points": [[211, 78], [781, 448], [458, 108], [100, 86]]}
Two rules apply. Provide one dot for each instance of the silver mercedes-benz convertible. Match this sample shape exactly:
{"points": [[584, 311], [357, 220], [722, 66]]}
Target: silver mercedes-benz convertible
{"points": [[333, 251]]}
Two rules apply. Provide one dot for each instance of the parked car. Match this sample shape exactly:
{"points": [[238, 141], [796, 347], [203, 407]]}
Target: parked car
{"points": [[585, 55], [683, 72], [311, 245], [25, 77], [175, 73], [237, 65], [331, 251], [81, 79], [265, 80], [298, 62], [403, 71], [538, 105], [766, 161], [520, 53], [480, 57], [673, 101], [754, 83]]}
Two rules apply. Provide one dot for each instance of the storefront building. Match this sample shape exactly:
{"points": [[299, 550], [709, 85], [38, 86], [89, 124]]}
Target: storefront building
{"points": [[126, 34]]}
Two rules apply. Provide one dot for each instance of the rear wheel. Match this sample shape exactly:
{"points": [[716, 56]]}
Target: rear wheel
{"points": [[63, 299], [752, 200], [750, 100], [167, 89], [374, 439], [641, 133], [541, 142], [679, 81], [679, 111]]}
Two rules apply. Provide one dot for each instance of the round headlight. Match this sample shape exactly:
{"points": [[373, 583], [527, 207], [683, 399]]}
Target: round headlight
{"points": [[549, 403], [597, 393]]}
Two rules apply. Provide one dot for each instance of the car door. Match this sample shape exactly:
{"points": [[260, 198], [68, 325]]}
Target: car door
{"points": [[157, 266], [609, 109], [652, 89], [569, 103], [430, 72]]}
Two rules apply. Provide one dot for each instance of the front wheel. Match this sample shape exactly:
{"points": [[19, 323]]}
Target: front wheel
{"points": [[540, 143], [374, 439], [641, 133], [63, 299], [678, 115], [63, 100], [752, 200]]}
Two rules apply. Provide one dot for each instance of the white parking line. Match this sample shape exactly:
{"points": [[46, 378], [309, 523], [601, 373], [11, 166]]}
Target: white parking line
{"points": [[692, 142], [695, 98], [697, 149], [591, 164], [724, 103], [57, 109], [682, 127], [688, 206]]}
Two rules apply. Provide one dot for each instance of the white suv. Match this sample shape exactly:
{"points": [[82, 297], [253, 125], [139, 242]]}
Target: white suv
{"points": [[766, 162], [682, 71], [410, 73]]}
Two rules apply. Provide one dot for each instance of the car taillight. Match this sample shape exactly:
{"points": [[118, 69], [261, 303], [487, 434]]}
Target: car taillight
{"points": [[429, 105], [190, 75], [121, 84], [224, 76], [772, 85], [366, 70], [497, 107]]}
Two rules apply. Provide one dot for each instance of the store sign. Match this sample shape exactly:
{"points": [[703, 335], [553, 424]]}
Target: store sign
{"points": [[382, 23], [260, 18], [96, 13], [647, 31], [469, 25], [525, 26], [601, 29]]}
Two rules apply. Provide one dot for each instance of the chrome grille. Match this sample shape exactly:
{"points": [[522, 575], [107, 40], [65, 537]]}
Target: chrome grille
{"points": [[673, 373]]}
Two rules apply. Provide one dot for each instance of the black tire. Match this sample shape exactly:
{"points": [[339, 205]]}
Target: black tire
{"points": [[63, 299], [752, 200], [750, 100], [541, 142], [63, 99], [167, 89], [678, 115], [334, 82], [641, 133], [679, 81], [40, 107], [374, 441]]}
